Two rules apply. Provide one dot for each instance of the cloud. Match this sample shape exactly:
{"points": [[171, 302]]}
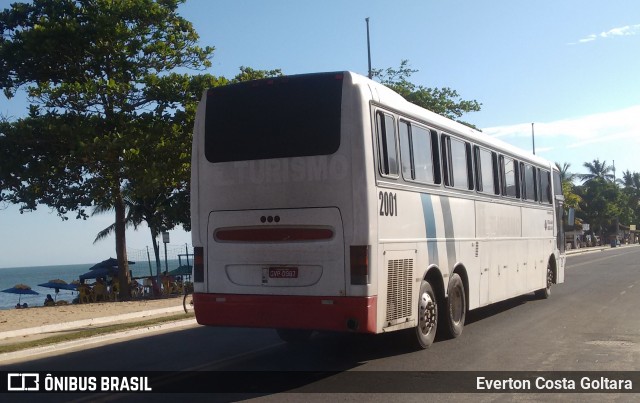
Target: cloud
{"points": [[611, 136], [627, 30], [579, 132]]}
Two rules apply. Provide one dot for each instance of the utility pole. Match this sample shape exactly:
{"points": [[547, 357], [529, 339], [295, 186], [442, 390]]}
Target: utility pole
{"points": [[614, 171], [533, 140], [369, 49]]}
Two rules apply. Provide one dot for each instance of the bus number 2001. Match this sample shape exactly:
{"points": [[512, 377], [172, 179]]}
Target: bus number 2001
{"points": [[388, 204]]}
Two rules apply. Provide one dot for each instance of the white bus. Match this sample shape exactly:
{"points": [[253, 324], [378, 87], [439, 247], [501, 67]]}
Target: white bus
{"points": [[328, 202]]}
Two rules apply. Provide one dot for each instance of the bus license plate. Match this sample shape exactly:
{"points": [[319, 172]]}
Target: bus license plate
{"points": [[283, 272]]}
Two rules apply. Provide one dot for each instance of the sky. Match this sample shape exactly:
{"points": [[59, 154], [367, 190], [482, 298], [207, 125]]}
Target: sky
{"points": [[570, 67]]}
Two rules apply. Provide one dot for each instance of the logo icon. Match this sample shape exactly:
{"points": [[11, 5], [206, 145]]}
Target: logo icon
{"points": [[23, 382]]}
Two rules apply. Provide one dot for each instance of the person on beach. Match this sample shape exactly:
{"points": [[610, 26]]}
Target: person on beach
{"points": [[49, 301], [100, 290]]}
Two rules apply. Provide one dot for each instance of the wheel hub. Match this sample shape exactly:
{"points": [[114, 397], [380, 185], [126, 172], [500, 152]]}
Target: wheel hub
{"points": [[427, 313]]}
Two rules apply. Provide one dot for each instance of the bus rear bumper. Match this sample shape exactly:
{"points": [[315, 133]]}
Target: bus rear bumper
{"points": [[356, 314]]}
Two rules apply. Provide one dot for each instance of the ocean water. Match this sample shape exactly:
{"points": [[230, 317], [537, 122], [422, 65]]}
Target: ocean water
{"points": [[32, 276]]}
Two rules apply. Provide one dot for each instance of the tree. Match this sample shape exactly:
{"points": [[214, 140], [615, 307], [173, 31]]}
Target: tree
{"points": [[157, 212], [247, 74], [158, 194], [597, 170], [571, 199], [443, 101], [631, 183], [94, 67], [565, 175], [599, 205], [37, 158], [630, 180]]}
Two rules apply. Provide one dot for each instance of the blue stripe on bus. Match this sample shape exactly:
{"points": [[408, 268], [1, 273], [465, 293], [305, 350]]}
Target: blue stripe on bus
{"points": [[430, 226], [448, 231]]}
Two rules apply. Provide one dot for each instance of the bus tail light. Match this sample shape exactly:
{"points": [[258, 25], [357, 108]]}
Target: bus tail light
{"points": [[198, 264], [359, 264]]}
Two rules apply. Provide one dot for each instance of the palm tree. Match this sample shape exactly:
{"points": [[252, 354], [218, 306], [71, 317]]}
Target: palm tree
{"points": [[155, 211], [630, 180], [565, 175], [597, 171]]}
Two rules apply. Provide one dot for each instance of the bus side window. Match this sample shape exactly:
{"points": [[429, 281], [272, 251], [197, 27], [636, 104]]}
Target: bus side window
{"points": [[536, 183], [478, 177], [423, 168], [509, 174], [549, 193], [416, 154], [445, 150], [538, 188], [528, 182], [486, 175], [545, 187], [406, 152], [387, 154], [557, 184], [496, 173], [435, 156], [467, 150], [456, 159]]}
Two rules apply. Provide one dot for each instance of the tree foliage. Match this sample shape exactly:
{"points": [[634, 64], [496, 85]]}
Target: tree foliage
{"points": [[100, 74], [597, 171], [571, 199], [158, 191], [443, 101], [600, 201]]}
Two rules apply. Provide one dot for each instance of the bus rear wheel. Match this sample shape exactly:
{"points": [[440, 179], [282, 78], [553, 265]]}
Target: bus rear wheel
{"points": [[545, 293], [425, 331], [456, 307]]}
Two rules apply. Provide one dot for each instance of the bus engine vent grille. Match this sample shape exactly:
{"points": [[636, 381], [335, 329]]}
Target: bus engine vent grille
{"points": [[399, 289]]}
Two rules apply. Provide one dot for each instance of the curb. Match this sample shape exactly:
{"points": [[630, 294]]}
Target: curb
{"points": [[86, 322], [585, 250], [597, 249]]}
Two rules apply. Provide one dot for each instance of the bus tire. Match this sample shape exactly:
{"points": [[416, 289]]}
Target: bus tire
{"points": [[455, 308], [545, 293], [294, 336], [425, 331]]}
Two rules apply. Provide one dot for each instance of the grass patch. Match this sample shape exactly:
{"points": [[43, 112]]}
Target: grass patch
{"points": [[91, 332]]}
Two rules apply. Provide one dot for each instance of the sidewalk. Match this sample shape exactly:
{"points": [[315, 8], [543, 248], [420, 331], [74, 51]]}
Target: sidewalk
{"points": [[597, 249], [17, 326], [81, 324]]}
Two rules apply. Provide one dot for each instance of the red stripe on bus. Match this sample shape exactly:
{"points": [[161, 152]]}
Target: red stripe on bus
{"points": [[287, 312]]}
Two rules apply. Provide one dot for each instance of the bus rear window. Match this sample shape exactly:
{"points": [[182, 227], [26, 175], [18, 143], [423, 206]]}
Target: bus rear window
{"points": [[283, 117]]}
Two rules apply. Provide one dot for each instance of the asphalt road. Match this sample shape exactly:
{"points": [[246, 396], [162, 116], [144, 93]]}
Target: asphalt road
{"points": [[590, 323]]}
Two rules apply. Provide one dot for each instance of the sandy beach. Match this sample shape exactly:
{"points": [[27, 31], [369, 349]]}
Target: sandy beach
{"points": [[13, 319]]}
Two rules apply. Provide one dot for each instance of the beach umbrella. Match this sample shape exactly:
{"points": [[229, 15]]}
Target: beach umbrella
{"points": [[95, 273], [20, 289], [99, 272], [57, 285], [184, 270], [108, 263]]}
